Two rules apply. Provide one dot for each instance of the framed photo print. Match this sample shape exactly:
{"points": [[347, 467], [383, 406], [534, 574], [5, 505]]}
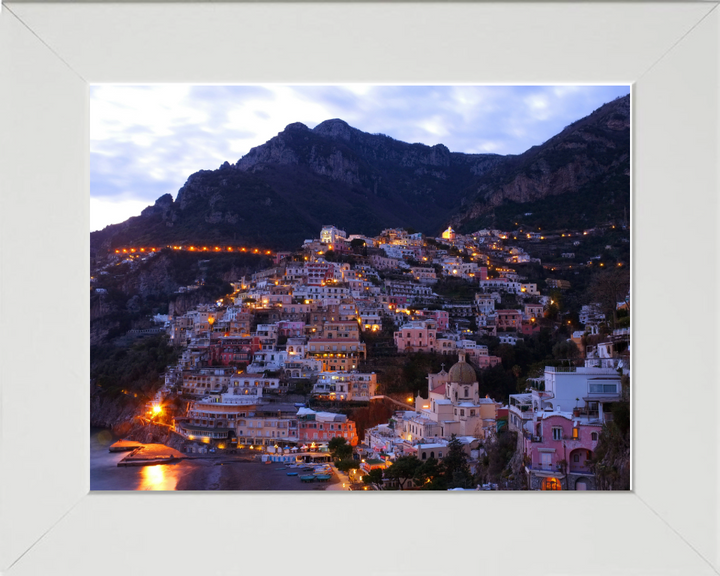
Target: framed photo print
{"points": [[461, 365]]}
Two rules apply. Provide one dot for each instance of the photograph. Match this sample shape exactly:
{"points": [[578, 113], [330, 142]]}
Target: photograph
{"points": [[360, 287]]}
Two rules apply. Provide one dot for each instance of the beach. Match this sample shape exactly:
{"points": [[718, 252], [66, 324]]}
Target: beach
{"points": [[197, 472]]}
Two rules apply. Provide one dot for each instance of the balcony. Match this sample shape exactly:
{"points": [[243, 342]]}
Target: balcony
{"points": [[561, 369], [538, 467], [532, 438], [524, 411]]}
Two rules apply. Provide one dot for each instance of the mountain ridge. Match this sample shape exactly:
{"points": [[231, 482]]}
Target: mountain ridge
{"points": [[284, 190]]}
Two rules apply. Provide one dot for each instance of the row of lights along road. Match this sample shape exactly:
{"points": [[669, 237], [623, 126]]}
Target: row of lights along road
{"points": [[193, 249]]}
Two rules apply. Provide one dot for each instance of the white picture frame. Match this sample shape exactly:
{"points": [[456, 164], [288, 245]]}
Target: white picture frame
{"points": [[51, 524]]}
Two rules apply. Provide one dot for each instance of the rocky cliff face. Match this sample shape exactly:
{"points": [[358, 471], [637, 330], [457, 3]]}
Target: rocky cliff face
{"points": [[284, 190], [590, 151], [121, 416], [107, 412]]}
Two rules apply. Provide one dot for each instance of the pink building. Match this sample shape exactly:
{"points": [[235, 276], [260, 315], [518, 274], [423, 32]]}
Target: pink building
{"points": [[398, 301], [286, 328], [559, 449], [441, 317], [483, 361], [529, 327], [511, 319], [319, 272], [416, 336]]}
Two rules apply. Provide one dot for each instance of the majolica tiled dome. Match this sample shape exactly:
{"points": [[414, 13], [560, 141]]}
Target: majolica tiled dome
{"points": [[462, 372]]}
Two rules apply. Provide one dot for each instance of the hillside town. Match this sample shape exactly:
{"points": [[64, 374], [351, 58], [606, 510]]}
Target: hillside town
{"points": [[309, 327]]}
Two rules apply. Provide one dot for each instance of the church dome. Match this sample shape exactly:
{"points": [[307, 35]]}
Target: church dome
{"points": [[462, 372]]}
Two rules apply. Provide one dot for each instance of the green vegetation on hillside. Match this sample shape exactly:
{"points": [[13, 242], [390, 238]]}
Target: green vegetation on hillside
{"points": [[133, 370]]}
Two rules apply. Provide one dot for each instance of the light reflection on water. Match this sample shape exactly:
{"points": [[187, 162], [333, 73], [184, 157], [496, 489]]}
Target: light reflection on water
{"points": [[105, 474], [158, 477]]}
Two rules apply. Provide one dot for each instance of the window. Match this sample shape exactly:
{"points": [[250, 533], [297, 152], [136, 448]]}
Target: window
{"points": [[576, 458], [551, 484], [462, 412], [594, 436], [557, 433], [602, 388], [575, 433]]}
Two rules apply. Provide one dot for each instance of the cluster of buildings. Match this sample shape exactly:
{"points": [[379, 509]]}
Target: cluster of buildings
{"points": [[453, 407], [303, 321], [560, 419]]}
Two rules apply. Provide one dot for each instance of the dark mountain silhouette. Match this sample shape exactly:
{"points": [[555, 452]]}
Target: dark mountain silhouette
{"points": [[285, 190]]}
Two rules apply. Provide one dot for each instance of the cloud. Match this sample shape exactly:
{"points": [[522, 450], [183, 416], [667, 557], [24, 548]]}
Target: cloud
{"points": [[104, 211]]}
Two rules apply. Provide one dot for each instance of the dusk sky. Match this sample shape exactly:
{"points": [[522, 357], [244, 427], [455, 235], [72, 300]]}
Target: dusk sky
{"points": [[146, 140]]}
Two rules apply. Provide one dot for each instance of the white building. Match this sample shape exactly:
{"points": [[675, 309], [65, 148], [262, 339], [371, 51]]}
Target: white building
{"points": [[248, 384], [346, 385], [329, 234], [591, 314], [566, 388], [271, 360]]}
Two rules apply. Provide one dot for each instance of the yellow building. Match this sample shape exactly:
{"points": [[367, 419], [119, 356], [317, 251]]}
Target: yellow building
{"points": [[449, 234], [454, 404]]}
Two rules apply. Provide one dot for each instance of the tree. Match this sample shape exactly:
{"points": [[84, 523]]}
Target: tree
{"points": [[374, 478], [551, 311], [347, 465], [502, 463], [497, 383], [611, 461], [339, 448], [566, 349], [429, 476], [403, 469], [455, 465], [608, 288]]}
